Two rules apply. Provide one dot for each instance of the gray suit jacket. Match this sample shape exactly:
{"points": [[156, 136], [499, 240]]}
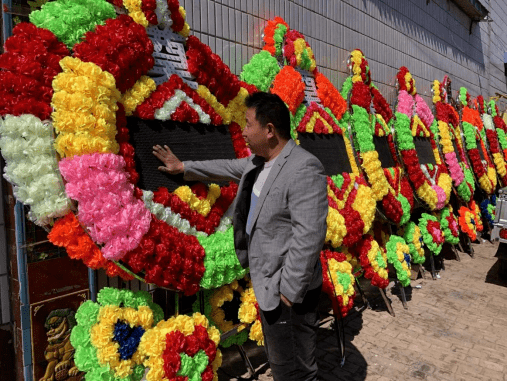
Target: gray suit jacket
{"points": [[289, 221]]}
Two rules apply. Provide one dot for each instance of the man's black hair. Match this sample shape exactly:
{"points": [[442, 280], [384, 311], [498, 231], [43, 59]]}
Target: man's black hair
{"points": [[271, 109]]}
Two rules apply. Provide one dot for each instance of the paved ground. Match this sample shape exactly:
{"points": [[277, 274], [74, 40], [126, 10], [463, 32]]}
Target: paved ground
{"points": [[455, 328]]}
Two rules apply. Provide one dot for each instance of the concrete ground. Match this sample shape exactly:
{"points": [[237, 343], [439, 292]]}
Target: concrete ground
{"points": [[455, 328]]}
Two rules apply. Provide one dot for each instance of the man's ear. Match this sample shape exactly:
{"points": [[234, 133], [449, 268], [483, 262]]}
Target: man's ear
{"points": [[270, 130]]}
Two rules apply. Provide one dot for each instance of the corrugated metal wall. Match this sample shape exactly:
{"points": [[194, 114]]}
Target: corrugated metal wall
{"points": [[430, 39]]}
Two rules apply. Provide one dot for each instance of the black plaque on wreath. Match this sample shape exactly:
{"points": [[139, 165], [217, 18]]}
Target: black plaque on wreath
{"points": [[424, 150], [456, 149], [479, 146], [187, 141], [330, 149], [383, 151]]}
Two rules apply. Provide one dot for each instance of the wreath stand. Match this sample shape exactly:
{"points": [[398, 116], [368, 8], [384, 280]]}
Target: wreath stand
{"points": [[402, 294], [366, 302], [339, 325], [432, 264]]}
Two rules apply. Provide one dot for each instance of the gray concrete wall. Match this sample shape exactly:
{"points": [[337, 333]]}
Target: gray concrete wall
{"points": [[430, 40]]}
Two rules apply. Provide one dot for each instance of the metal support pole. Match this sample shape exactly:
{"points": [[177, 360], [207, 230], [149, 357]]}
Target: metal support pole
{"points": [[21, 257], [92, 284], [432, 266], [362, 294], [245, 358], [7, 19], [387, 301], [403, 295], [341, 337], [456, 252]]}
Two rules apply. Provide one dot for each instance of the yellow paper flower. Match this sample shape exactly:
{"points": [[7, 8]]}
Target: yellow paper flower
{"points": [[205, 93], [137, 94], [202, 206], [365, 204], [335, 227], [343, 268], [500, 164], [375, 173], [236, 107], [85, 102], [248, 314], [437, 93], [134, 8], [102, 335], [186, 29]]}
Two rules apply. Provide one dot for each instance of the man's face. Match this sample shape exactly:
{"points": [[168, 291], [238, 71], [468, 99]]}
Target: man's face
{"points": [[254, 133]]}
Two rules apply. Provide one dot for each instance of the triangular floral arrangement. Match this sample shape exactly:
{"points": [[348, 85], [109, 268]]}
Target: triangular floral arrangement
{"points": [[317, 120]]}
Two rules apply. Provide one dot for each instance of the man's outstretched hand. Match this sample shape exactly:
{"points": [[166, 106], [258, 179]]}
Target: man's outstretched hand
{"points": [[172, 165]]}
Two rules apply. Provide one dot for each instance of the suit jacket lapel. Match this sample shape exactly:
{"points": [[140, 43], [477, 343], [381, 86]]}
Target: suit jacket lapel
{"points": [[274, 172]]}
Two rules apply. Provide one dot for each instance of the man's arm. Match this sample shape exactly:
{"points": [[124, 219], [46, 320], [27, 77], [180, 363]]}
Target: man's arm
{"points": [[208, 170], [308, 206]]}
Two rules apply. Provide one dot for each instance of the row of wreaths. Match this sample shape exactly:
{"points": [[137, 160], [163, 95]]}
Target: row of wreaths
{"points": [[70, 77]]}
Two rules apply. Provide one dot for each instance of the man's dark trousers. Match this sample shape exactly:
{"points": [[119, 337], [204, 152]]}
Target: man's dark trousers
{"points": [[290, 339]]}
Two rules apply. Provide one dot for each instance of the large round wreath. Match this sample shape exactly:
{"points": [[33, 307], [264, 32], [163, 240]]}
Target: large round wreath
{"points": [[389, 186], [431, 231], [449, 225], [467, 222], [472, 125], [398, 254], [373, 261], [351, 205], [489, 135], [488, 208], [80, 69], [414, 239], [414, 119], [448, 130]]}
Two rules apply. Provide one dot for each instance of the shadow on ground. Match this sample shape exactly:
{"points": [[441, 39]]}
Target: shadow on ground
{"points": [[329, 356]]}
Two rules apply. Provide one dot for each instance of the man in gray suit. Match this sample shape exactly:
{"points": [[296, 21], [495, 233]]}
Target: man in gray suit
{"points": [[279, 225]]}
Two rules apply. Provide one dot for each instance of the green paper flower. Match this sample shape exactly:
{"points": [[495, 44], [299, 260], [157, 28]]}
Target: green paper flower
{"points": [[221, 263], [69, 20], [261, 70]]}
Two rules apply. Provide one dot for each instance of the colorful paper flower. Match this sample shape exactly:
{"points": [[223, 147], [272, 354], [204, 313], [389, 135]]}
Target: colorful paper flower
{"points": [[449, 225], [431, 231], [483, 168], [108, 334], [249, 314], [222, 310], [490, 137], [183, 347], [414, 119], [414, 239], [372, 261], [467, 222], [448, 131], [338, 280], [399, 256], [488, 208]]}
